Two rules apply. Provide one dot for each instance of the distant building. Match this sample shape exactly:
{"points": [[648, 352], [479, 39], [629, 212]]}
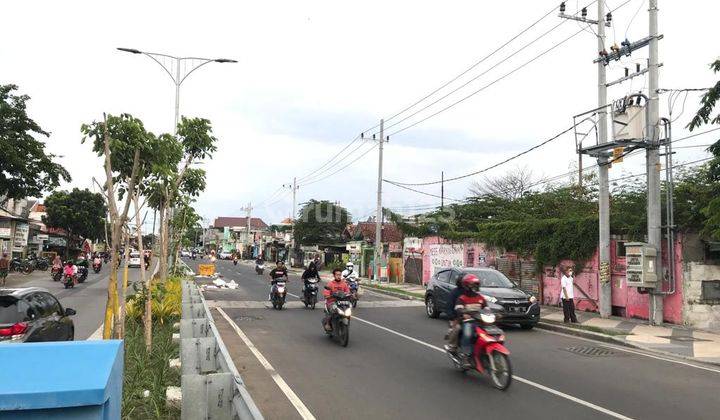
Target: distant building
{"points": [[231, 234]]}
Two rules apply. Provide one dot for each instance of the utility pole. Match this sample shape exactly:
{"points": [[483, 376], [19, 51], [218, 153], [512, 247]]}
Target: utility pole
{"points": [[378, 214], [248, 209], [604, 186], [442, 190], [653, 165], [605, 289], [294, 188]]}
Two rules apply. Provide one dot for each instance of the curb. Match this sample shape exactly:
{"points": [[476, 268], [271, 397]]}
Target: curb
{"points": [[391, 293], [612, 340]]}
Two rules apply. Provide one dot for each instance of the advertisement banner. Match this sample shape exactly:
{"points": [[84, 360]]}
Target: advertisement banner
{"points": [[20, 239], [446, 255]]}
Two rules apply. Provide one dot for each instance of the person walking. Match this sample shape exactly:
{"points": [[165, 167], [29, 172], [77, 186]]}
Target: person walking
{"points": [[567, 293], [4, 267]]}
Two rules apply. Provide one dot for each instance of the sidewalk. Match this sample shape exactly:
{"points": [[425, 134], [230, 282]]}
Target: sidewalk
{"points": [[674, 340]]}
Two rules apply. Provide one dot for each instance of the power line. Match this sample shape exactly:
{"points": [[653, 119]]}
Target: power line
{"points": [[463, 99], [309, 175], [320, 173], [342, 168], [477, 63], [420, 192], [537, 146]]}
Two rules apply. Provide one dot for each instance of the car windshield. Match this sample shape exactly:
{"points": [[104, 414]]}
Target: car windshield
{"points": [[490, 278], [134, 255]]}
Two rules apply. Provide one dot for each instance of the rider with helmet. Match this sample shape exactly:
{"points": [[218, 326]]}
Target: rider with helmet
{"points": [[338, 284], [349, 272], [467, 293], [277, 273]]}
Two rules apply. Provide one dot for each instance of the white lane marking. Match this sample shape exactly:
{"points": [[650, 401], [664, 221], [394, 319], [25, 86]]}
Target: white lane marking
{"points": [[284, 387], [97, 335], [519, 379], [639, 353]]}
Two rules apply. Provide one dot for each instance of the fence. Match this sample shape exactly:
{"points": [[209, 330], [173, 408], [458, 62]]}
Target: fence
{"points": [[211, 385]]}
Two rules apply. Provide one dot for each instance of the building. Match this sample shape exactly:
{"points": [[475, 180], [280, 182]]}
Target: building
{"points": [[360, 238], [231, 234]]}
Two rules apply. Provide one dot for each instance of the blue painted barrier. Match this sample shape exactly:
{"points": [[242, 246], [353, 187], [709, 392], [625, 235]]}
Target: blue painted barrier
{"points": [[61, 380]]}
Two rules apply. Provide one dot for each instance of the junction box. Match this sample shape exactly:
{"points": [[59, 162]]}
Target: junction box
{"points": [[641, 270]]}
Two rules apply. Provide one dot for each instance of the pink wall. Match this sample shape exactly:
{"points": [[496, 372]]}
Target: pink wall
{"points": [[426, 242], [626, 301]]}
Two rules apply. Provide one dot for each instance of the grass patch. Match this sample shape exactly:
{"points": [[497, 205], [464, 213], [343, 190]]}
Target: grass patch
{"points": [[150, 372], [395, 290]]}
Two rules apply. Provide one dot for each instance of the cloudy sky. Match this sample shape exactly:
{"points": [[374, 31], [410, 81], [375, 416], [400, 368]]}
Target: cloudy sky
{"points": [[312, 75]]}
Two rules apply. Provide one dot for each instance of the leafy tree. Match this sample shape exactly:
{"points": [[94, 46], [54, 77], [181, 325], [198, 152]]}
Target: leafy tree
{"points": [[703, 116], [25, 169], [78, 212], [320, 222]]}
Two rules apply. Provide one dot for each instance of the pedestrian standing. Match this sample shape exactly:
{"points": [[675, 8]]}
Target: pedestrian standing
{"points": [[4, 267], [567, 293]]}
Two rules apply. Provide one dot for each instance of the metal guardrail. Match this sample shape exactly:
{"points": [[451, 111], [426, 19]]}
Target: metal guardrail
{"points": [[212, 387]]}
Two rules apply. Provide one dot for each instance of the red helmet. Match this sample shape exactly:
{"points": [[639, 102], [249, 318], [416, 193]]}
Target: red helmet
{"points": [[470, 282]]}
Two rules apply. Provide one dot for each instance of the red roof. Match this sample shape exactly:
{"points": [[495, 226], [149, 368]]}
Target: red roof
{"points": [[390, 232], [255, 222]]}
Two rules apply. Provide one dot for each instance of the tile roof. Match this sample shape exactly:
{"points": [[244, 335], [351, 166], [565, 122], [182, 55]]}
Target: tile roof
{"points": [[255, 222], [390, 232]]}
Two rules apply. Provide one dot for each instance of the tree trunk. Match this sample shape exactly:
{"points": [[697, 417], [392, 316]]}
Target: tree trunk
{"points": [[163, 243], [147, 318], [120, 307]]}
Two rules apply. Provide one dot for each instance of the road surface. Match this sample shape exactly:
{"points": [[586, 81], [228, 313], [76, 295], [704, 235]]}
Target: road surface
{"points": [[88, 298], [393, 367]]}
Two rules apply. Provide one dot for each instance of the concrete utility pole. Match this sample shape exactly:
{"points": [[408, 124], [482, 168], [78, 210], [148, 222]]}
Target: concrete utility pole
{"points": [[248, 209], [294, 188], [442, 190], [604, 185], [378, 214], [653, 165]]}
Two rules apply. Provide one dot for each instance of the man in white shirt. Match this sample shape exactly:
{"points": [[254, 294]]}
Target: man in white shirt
{"points": [[567, 293]]}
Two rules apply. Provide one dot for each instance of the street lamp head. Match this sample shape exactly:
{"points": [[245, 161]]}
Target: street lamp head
{"points": [[224, 60], [130, 50]]}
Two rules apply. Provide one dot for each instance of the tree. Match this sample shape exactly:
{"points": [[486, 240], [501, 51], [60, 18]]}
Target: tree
{"points": [[121, 140], [703, 116], [510, 186], [320, 222], [77, 212], [25, 169]]}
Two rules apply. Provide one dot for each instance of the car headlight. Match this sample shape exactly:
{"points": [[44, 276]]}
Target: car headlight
{"points": [[488, 318], [490, 299], [533, 299]]}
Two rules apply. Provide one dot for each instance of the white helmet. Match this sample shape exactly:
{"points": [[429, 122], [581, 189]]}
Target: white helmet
{"points": [[349, 265]]}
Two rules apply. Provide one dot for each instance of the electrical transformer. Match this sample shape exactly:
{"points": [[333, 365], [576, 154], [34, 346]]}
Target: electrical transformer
{"points": [[629, 120], [641, 268]]}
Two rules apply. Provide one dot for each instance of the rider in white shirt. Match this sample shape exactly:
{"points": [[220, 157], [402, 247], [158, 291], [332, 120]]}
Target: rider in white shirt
{"points": [[349, 272]]}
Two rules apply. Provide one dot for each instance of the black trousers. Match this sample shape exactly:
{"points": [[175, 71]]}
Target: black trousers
{"points": [[569, 310]]}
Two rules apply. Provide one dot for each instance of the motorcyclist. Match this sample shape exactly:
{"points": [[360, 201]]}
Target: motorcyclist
{"points": [[338, 284], [259, 260], [349, 272], [97, 261], [467, 293], [277, 273], [57, 262], [71, 270], [310, 273]]}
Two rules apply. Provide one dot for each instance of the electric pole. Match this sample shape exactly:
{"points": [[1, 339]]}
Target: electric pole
{"points": [[378, 214], [605, 289], [248, 209], [604, 185], [442, 190], [653, 165], [294, 188]]}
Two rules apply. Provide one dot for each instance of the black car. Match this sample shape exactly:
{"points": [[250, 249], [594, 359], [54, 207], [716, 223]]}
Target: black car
{"points": [[512, 305], [31, 314]]}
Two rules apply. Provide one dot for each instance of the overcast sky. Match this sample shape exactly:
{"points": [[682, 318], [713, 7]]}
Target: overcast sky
{"points": [[313, 74]]}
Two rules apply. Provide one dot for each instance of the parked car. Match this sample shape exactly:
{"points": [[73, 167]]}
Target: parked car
{"points": [[512, 305], [185, 253], [134, 259], [225, 255], [31, 314]]}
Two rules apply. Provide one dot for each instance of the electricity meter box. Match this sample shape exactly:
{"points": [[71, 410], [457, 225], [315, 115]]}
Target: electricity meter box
{"points": [[641, 268]]}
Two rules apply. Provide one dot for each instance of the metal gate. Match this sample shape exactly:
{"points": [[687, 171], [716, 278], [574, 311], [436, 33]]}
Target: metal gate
{"points": [[413, 270], [524, 273]]}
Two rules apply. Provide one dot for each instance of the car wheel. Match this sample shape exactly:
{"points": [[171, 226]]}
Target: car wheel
{"points": [[527, 326], [430, 307]]}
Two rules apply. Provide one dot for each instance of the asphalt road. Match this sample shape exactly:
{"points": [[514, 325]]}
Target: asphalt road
{"points": [[393, 367], [88, 298]]}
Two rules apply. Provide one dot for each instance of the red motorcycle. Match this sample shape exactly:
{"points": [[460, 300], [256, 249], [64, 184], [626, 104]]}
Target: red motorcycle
{"points": [[56, 273], [489, 355]]}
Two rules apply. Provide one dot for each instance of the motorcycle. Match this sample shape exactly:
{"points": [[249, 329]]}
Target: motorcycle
{"points": [[97, 267], [69, 281], [56, 273], [278, 293], [40, 263], [310, 293], [82, 274], [259, 268], [489, 355], [235, 261], [340, 313], [354, 284], [21, 266], [194, 256]]}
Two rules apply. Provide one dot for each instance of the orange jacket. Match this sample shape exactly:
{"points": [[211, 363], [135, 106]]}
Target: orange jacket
{"points": [[335, 286]]}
